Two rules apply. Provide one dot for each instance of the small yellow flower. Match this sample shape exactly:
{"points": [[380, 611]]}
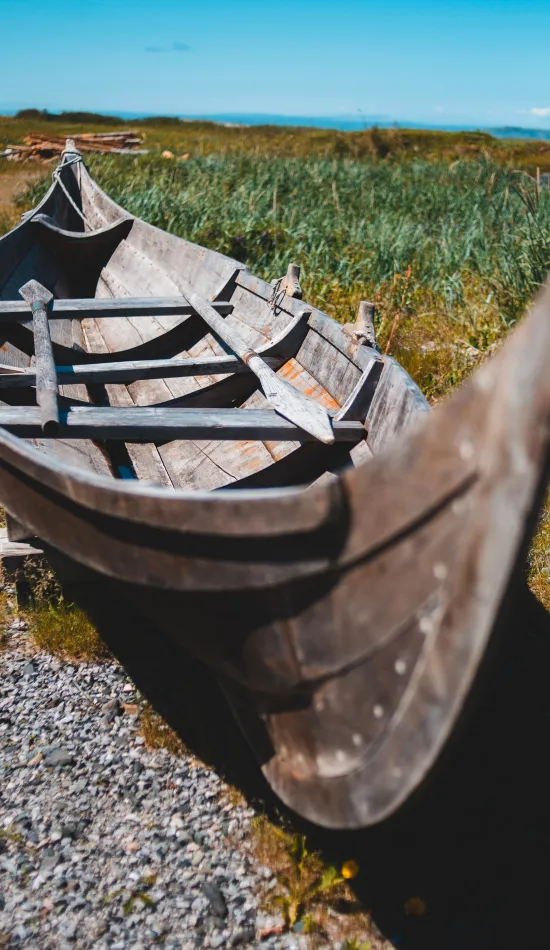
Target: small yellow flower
{"points": [[350, 869], [415, 907]]}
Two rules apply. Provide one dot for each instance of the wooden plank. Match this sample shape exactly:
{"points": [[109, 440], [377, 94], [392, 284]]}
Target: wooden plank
{"points": [[360, 398], [284, 398], [396, 403], [104, 307], [39, 298], [15, 548], [155, 424]]}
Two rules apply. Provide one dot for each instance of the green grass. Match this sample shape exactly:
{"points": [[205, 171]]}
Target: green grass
{"points": [[451, 253]]}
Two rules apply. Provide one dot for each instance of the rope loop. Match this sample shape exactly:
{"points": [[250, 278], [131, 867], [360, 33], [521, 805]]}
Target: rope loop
{"points": [[76, 157]]}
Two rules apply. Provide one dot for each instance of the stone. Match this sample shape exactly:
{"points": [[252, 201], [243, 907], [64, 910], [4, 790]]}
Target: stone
{"points": [[69, 830], [215, 898], [58, 756], [110, 710], [243, 937]]}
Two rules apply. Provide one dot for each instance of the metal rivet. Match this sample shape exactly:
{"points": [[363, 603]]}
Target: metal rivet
{"points": [[466, 449], [400, 667], [459, 506], [318, 704], [426, 624], [378, 712], [440, 570], [357, 739], [340, 756]]}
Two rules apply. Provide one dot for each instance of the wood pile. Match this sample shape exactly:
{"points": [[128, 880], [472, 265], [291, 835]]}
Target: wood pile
{"points": [[48, 148]]}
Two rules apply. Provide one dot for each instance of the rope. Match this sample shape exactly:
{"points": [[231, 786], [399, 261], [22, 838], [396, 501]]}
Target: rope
{"points": [[74, 160], [276, 295]]}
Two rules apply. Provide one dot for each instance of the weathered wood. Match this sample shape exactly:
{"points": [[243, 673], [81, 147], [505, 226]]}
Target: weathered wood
{"points": [[290, 283], [155, 424], [274, 353], [46, 378], [283, 397], [15, 549], [105, 308], [363, 330]]}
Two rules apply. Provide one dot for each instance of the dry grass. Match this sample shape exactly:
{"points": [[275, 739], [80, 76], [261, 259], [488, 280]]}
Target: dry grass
{"points": [[539, 558], [158, 734], [55, 625], [66, 631], [205, 138]]}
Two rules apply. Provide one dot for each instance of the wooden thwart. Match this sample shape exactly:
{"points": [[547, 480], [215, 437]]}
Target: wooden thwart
{"points": [[162, 424], [102, 308]]}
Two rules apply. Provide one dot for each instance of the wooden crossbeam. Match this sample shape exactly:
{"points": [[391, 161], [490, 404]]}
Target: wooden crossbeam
{"points": [[129, 372], [164, 424], [79, 309], [274, 353]]}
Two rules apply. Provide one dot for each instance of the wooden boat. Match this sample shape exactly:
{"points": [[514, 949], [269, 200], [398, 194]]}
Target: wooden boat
{"points": [[343, 587]]}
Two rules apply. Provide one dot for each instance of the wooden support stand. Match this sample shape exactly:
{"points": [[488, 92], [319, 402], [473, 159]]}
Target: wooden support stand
{"points": [[13, 556]]}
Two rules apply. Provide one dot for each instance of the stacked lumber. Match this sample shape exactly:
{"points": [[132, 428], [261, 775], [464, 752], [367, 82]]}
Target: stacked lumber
{"points": [[46, 148]]}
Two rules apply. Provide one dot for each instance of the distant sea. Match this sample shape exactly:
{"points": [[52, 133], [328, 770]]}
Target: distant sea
{"points": [[342, 123]]}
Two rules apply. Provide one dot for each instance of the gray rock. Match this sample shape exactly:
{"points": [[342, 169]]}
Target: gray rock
{"points": [[111, 709], [215, 898], [73, 863], [29, 669], [243, 937], [58, 756]]}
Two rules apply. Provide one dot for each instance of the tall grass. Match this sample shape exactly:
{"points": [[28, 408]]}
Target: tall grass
{"points": [[451, 253]]}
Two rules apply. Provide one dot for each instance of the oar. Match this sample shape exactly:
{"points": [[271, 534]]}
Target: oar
{"points": [[46, 374], [284, 398]]}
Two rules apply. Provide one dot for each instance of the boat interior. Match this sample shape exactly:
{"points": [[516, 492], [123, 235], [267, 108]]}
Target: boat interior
{"points": [[83, 248]]}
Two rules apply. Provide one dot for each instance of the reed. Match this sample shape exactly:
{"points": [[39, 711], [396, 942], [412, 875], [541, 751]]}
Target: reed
{"points": [[451, 253]]}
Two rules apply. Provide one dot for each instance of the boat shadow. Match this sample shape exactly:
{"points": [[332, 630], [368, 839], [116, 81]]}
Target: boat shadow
{"points": [[473, 840]]}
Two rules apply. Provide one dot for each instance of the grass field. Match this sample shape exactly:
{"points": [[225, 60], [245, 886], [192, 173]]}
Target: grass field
{"points": [[448, 233]]}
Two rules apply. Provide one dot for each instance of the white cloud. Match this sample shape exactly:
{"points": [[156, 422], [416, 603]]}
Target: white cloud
{"points": [[541, 113]]}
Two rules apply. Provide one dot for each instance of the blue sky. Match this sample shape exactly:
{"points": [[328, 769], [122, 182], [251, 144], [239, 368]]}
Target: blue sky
{"points": [[443, 62]]}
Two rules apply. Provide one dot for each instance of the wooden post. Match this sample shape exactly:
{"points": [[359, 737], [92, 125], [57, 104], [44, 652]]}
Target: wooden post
{"points": [[291, 282], [46, 375], [364, 331]]}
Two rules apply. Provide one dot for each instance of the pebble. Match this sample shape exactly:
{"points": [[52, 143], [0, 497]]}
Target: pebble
{"points": [[58, 756], [110, 845]]}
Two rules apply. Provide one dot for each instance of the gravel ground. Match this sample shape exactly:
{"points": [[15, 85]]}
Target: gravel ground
{"points": [[103, 843]]}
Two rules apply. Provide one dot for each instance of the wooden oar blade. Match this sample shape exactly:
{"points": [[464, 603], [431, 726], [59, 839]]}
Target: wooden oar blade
{"points": [[287, 401], [292, 404]]}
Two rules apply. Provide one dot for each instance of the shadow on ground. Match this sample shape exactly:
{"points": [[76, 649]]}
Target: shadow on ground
{"points": [[473, 843]]}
